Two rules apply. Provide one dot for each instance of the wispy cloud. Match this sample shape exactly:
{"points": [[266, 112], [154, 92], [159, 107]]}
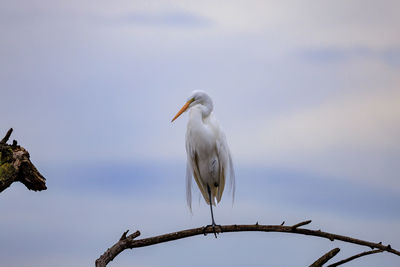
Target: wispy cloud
{"points": [[354, 137], [328, 55], [166, 19]]}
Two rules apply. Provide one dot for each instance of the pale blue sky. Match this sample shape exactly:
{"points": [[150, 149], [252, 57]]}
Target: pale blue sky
{"points": [[307, 93]]}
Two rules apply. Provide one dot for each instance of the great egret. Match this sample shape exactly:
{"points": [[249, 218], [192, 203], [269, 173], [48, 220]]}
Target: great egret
{"points": [[208, 156]]}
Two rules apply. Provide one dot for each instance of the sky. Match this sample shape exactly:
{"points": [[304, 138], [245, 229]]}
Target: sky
{"points": [[307, 93]]}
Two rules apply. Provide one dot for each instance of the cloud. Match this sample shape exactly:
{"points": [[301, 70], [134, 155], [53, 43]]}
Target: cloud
{"points": [[101, 80], [166, 19], [390, 56], [354, 137]]}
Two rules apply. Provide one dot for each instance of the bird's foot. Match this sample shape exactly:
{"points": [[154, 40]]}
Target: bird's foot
{"points": [[214, 226]]}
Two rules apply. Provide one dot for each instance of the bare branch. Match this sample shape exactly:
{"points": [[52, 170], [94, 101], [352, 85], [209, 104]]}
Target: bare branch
{"points": [[355, 257], [130, 243], [326, 257], [6, 137]]}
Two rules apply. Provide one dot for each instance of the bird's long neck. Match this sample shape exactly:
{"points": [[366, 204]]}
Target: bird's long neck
{"points": [[201, 112], [206, 107]]}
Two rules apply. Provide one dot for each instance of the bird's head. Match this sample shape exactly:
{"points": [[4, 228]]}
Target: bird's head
{"points": [[197, 97]]}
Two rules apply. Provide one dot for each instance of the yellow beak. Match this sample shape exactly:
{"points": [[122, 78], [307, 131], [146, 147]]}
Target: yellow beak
{"points": [[183, 109]]}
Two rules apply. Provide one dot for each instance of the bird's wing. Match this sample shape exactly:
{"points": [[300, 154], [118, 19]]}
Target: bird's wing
{"points": [[226, 165], [221, 175], [192, 167]]}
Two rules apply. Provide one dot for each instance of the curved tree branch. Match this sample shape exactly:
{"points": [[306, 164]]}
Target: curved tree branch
{"points": [[15, 166], [355, 257], [129, 242]]}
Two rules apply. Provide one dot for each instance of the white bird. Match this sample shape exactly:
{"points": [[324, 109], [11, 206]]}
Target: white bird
{"points": [[208, 157]]}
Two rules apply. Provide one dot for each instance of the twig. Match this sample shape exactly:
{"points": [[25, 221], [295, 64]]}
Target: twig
{"points": [[355, 257], [8, 134], [300, 224], [130, 243], [326, 257], [123, 236]]}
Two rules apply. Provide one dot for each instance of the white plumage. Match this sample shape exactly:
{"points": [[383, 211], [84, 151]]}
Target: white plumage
{"points": [[208, 157]]}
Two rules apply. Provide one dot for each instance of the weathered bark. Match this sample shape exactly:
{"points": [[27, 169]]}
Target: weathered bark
{"points": [[15, 166]]}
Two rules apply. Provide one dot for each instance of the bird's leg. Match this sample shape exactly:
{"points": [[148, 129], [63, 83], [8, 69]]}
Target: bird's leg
{"points": [[213, 224]]}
